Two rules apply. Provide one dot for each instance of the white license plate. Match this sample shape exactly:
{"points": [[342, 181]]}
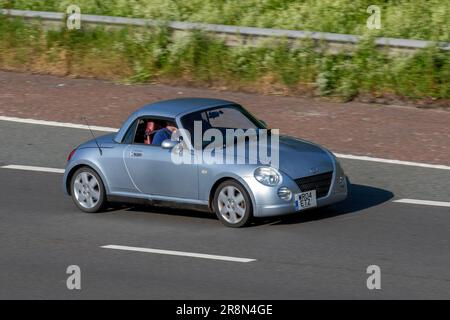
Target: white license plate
{"points": [[305, 200]]}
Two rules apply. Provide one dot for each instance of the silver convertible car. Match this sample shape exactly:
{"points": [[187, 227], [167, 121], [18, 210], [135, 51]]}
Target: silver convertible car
{"points": [[137, 164]]}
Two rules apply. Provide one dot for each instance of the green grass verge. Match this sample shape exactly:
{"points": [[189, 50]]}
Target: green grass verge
{"points": [[135, 55]]}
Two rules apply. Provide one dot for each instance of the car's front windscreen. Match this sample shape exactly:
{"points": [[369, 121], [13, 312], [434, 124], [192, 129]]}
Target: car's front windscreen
{"points": [[221, 118]]}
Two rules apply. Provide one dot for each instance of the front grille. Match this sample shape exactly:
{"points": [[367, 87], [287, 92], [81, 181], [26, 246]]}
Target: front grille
{"points": [[320, 182]]}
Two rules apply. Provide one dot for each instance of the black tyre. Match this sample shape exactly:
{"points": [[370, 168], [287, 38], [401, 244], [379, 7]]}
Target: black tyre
{"points": [[87, 190], [232, 204]]}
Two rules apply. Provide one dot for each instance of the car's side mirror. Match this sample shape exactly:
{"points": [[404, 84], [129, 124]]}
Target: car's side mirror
{"points": [[169, 144]]}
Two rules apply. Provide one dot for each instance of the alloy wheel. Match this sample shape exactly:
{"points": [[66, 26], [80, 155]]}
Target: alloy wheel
{"points": [[86, 189], [231, 204]]}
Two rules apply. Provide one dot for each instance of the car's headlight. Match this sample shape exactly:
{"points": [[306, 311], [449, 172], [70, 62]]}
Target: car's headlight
{"points": [[268, 176]]}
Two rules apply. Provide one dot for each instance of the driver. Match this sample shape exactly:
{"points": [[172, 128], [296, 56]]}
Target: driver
{"points": [[164, 133]]}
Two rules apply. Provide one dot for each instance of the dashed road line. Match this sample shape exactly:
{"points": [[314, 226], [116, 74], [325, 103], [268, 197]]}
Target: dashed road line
{"points": [[33, 168], [179, 253], [392, 161], [58, 124], [424, 202]]}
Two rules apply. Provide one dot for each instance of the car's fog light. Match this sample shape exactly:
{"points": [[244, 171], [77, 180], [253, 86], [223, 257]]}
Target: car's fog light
{"points": [[341, 181], [284, 193]]}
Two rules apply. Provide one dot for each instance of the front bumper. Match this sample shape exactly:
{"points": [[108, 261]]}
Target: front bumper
{"points": [[267, 202], [288, 207]]}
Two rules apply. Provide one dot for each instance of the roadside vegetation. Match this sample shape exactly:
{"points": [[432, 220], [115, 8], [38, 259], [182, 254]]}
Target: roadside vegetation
{"points": [[137, 56], [415, 19]]}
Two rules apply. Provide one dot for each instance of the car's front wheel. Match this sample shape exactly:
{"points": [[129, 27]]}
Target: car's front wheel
{"points": [[87, 190], [232, 204]]}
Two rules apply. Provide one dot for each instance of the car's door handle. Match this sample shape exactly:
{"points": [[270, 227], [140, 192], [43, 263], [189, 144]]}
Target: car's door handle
{"points": [[136, 153]]}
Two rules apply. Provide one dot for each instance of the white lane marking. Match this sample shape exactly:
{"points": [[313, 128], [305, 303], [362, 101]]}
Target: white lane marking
{"points": [[339, 155], [424, 202], [391, 161], [58, 124], [32, 168], [179, 253]]}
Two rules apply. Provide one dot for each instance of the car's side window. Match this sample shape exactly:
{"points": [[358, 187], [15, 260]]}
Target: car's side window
{"points": [[147, 128]]}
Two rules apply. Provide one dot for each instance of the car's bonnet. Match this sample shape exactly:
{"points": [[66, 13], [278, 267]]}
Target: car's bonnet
{"points": [[297, 158]]}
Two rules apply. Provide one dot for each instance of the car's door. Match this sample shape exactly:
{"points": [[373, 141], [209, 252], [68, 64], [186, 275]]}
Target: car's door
{"points": [[152, 171], [113, 168]]}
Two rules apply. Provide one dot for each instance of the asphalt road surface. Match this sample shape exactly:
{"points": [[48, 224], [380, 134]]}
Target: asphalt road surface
{"points": [[318, 254]]}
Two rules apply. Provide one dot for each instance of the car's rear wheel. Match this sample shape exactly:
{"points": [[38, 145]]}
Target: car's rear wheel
{"points": [[87, 190], [232, 204]]}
